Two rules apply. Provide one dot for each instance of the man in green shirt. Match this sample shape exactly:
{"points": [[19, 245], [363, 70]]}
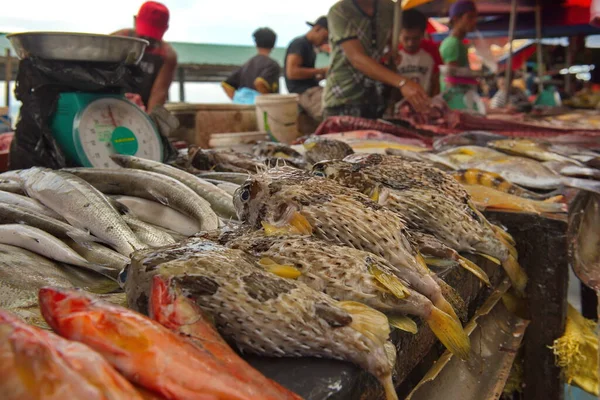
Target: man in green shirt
{"points": [[463, 19], [359, 32]]}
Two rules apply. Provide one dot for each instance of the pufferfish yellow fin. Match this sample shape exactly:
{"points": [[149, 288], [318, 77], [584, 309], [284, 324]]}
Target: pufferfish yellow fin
{"points": [[367, 321], [504, 234], [389, 281], [309, 145], [439, 262], [296, 225], [474, 269], [375, 194], [403, 323], [450, 332], [421, 262], [492, 259], [516, 274], [281, 270]]}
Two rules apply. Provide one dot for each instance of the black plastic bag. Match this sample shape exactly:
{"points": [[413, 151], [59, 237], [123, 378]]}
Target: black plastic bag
{"points": [[39, 84]]}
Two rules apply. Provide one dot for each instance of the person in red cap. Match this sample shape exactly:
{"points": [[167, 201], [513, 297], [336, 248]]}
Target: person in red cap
{"points": [[160, 60]]}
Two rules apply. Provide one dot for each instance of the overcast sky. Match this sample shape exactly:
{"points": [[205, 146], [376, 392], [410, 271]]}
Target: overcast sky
{"points": [[206, 21]]}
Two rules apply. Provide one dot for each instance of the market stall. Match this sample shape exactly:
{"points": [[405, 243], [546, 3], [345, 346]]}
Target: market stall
{"points": [[371, 260]]}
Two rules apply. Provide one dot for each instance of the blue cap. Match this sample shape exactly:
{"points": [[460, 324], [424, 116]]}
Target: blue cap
{"points": [[461, 7]]}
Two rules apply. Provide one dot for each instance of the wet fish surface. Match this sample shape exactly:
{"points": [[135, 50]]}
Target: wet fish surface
{"points": [[220, 201], [151, 186], [265, 314], [160, 215], [81, 205]]}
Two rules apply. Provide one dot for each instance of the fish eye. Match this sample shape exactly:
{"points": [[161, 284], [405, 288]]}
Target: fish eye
{"points": [[245, 195]]}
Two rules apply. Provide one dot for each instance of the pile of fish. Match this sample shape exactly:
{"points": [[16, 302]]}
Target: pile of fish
{"points": [[104, 351], [332, 247], [96, 218]]}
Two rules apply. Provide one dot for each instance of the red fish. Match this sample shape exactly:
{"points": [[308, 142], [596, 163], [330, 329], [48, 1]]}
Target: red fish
{"points": [[181, 315], [36, 364], [143, 350]]}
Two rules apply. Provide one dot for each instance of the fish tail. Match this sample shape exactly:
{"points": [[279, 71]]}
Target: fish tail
{"points": [[474, 269], [450, 332], [516, 274], [446, 307], [388, 387], [403, 323], [582, 184], [367, 321]]}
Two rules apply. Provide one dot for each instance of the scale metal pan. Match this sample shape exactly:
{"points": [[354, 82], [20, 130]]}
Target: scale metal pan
{"points": [[67, 46]]}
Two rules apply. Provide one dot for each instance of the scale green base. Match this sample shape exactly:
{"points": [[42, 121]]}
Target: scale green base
{"points": [[65, 121]]}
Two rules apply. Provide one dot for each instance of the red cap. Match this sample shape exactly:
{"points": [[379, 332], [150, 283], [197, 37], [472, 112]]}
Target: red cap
{"points": [[152, 20]]}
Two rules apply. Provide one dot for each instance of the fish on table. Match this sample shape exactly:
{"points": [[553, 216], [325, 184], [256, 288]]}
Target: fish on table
{"points": [[289, 201], [173, 310], [488, 198], [151, 186], [13, 214], [14, 199], [319, 149], [519, 170], [39, 365], [80, 205], [224, 161], [263, 313], [495, 181], [348, 274], [233, 177], [158, 214], [42, 243], [430, 201], [533, 149], [220, 201], [147, 353]]}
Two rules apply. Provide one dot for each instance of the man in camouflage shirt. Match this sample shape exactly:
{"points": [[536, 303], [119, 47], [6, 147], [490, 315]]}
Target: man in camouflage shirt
{"points": [[359, 32]]}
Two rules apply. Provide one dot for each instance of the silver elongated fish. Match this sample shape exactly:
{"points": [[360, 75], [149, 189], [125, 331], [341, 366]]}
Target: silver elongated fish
{"points": [[233, 177], [98, 254], [151, 186], [147, 233], [25, 202], [12, 214], [81, 205], [160, 215], [23, 273], [7, 185], [220, 201], [42, 243]]}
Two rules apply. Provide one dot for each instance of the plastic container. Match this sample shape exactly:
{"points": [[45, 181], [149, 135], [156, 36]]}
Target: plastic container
{"points": [[277, 114]]}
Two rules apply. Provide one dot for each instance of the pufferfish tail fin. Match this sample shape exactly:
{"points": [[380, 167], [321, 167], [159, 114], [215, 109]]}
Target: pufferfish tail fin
{"points": [[449, 331]]}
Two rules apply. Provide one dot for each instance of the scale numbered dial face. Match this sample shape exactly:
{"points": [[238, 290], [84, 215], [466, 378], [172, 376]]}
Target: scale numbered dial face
{"points": [[115, 126]]}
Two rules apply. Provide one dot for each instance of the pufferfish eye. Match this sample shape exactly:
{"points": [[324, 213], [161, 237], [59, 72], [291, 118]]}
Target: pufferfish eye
{"points": [[245, 194], [319, 170]]}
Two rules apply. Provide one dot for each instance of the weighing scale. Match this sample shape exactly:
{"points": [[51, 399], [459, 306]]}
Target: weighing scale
{"points": [[89, 128]]}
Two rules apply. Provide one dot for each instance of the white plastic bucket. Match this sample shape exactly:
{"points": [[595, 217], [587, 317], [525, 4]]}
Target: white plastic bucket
{"points": [[277, 114]]}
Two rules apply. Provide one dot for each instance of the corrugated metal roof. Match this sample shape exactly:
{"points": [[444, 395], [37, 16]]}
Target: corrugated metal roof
{"points": [[212, 54]]}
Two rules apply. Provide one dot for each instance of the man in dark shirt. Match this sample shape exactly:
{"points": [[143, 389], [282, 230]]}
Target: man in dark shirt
{"points": [[260, 75], [301, 76], [159, 61]]}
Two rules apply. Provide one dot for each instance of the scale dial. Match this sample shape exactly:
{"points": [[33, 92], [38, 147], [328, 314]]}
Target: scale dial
{"points": [[114, 126]]}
